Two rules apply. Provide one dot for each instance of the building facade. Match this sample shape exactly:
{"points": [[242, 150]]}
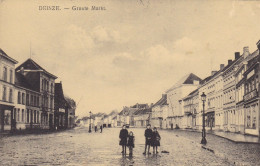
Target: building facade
{"points": [[158, 110], [7, 88], [42, 82], [251, 95], [174, 99], [191, 109]]}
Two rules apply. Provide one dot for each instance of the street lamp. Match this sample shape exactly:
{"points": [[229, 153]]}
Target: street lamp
{"points": [[89, 122], [203, 141]]}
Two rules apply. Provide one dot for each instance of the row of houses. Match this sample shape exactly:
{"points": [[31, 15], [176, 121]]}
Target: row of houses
{"points": [[30, 98], [99, 119], [232, 98], [138, 115]]}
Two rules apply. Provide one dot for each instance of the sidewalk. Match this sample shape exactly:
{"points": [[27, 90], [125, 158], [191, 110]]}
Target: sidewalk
{"points": [[25, 132], [234, 137]]}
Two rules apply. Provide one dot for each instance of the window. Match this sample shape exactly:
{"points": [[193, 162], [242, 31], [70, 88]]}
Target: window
{"points": [[248, 117], [23, 98], [34, 116], [51, 87], [27, 99], [51, 104], [31, 103], [37, 116], [5, 74], [42, 84], [11, 76], [254, 117], [19, 97], [38, 101], [34, 101], [22, 115], [28, 116], [11, 95], [4, 94], [14, 114], [18, 115]]}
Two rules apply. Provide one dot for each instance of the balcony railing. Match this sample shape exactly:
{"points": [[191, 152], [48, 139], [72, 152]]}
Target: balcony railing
{"points": [[250, 95]]}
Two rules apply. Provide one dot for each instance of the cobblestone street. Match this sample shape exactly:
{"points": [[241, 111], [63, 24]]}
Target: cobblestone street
{"points": [[78, 147]]}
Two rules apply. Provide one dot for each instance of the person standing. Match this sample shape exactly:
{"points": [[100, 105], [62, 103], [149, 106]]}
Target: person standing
{"points": [[148, 138], [130, 142], [123, 138], [155, 139], [101, 128]]}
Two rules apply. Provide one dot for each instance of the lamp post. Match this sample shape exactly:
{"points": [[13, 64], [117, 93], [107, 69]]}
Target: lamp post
{"points": [[89, 122], [203, 140]]}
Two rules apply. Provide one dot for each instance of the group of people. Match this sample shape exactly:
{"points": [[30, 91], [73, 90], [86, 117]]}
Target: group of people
{"points": [[152, 138], [101, 128]]}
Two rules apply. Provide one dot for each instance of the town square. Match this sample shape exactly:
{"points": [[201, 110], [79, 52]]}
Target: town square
{"points": [[145, 82]]}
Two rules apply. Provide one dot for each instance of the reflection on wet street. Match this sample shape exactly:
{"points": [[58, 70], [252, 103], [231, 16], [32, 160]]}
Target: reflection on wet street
{"points": [[78, 147]]}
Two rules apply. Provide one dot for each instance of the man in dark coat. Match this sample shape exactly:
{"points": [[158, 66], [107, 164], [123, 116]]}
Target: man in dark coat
{"points": [[148, 138], [123, 138]]}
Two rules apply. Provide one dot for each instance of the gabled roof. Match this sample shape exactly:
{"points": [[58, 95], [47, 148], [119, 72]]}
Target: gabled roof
{"points": [[193, 92], [59, 99], [143, 111], [114, 118], [188, 79], [206, 80], [21, 81], [162, 101], [70, 102], [2, 53], [29, 64], [139, 105], [113, 113]]}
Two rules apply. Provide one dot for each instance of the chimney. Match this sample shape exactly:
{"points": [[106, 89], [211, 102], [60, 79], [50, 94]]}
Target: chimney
{"points": [[237, 55], [213, 72], [164, 95], [151, 105], [246, 51], [229, 61], [258, 45], [222, 66]]}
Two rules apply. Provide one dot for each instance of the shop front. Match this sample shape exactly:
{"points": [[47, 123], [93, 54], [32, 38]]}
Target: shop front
{"points": [[252, 118], [7, 122]]}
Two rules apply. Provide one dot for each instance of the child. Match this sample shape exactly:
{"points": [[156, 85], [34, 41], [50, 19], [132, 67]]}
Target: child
{"points": [[155, 139], [130, 143]]}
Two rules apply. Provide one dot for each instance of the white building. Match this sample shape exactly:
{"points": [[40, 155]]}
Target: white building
{"points": [[174, 99]]}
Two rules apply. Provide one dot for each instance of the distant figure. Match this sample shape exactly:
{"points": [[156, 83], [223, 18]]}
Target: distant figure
{"points": [[148, 138], [95, 128], [130, 142], [155, 139], [101, 128], [123, 138]]}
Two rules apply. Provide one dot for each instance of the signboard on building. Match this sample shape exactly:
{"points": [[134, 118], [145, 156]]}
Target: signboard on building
{"points": [[61, 110]]}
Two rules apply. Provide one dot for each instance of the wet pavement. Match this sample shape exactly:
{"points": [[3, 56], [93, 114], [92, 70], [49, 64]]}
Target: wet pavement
{"points": [[78, 147]]}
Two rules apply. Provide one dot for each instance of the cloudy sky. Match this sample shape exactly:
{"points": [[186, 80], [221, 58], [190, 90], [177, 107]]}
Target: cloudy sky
{"points": [[131, 52]]}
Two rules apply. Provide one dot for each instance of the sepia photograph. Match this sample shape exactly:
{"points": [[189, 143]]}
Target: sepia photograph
{"points": [[129, 82]]}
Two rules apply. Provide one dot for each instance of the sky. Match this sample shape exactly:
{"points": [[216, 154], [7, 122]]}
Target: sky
{"points": [[133, 51]]}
